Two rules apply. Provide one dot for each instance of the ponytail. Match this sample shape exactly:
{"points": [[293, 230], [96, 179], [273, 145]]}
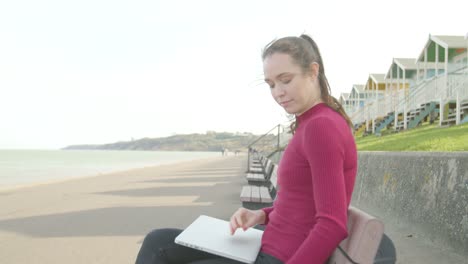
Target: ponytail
{"points": [[325, 89]]}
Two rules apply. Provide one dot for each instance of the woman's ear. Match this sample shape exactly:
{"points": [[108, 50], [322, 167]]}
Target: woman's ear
{"points": [[314, 70]]}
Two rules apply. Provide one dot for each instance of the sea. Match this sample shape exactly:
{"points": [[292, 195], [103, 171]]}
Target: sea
{"points": [[28, 167]]}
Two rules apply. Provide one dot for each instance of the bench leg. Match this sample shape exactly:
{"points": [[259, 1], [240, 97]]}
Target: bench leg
{"points": [[386, 253]]}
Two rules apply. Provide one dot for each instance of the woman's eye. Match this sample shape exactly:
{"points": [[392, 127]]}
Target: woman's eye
{"points": [[286, 81]]}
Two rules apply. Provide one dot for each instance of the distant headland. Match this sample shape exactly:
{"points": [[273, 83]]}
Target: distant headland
{"points": [[211, 141]]}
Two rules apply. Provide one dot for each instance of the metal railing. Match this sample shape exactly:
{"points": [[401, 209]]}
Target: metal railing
{"points": [[272, 143]]}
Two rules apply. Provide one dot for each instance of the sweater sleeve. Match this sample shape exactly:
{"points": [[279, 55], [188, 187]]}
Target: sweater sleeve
{"points": [[267, 211], [324, 149]]}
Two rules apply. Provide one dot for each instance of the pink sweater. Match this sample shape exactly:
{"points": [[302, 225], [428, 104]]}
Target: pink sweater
{"points": [[316, 178]]}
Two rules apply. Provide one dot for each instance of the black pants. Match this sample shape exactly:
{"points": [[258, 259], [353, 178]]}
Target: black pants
{"points": [[159, 248]]}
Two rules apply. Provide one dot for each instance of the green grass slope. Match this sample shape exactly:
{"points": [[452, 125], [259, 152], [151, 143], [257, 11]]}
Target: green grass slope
{"points": [[423, 138]]}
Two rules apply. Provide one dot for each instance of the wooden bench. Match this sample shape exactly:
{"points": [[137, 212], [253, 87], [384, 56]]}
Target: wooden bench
{"points": [[261, 178], [256, 197], [257, 166], [256, 161], [365, 234]]}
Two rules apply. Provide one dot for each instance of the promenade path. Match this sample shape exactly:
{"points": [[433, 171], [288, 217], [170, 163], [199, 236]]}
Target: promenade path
{"points": [[104, 219]]}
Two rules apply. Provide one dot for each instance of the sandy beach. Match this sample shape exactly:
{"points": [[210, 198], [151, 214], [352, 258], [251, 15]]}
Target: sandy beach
{"points": [[103, 219]]}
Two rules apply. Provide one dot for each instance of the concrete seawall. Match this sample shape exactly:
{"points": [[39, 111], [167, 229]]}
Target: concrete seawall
{"points": [[426, 190]]}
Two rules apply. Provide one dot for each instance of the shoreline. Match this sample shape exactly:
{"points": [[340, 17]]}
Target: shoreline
{"points": [[15, 187]]}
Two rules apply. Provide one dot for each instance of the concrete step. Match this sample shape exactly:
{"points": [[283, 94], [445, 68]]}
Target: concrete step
{"points": [[448, 122], [399, 128]]}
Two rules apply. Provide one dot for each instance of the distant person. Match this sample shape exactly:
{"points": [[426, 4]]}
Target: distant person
{"points": [[316, 173]]}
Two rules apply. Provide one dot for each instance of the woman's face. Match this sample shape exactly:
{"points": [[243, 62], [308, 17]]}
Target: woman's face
{"points": [[291, 88]]}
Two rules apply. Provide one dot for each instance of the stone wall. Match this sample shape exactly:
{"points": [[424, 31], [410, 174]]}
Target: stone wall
{"points": [[425, 189]]}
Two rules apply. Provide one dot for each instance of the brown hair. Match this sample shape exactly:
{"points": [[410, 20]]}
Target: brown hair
{"points": [[304, 51]]}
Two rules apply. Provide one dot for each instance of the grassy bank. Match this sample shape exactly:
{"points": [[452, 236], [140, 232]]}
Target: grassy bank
{"points": [[423, 138]]}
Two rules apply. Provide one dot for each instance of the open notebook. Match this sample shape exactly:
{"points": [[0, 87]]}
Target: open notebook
{"points": [[213, 236]]}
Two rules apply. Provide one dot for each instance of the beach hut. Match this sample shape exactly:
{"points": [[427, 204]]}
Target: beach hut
{"points": [[447, 80], [400, 76], [375, 88]]}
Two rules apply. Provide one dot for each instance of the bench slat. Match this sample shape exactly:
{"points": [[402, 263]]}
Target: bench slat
{"points": [[255, 194], [246, 194], [253, 175], [365, 233], [265, 195], [258, 179]]}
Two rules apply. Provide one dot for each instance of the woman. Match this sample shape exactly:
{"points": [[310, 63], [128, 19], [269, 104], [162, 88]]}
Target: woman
{"points": [[316, 172]]}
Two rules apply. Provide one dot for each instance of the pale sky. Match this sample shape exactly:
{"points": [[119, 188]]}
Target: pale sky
{"points": [[93, 71]]}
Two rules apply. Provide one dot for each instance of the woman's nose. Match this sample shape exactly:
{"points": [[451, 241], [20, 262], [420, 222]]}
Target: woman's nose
{"points": [[278, 92]]}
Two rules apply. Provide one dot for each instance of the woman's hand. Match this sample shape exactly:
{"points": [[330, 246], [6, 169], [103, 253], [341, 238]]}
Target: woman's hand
{"points": [[244, 218]]}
